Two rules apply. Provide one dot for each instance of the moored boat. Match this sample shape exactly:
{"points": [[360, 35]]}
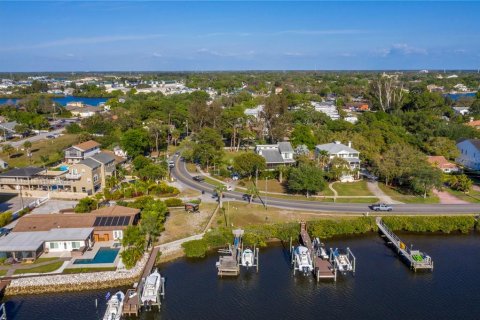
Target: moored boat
{"points": [[114, 307], [303, 261], [151, 288], [248, 258]]}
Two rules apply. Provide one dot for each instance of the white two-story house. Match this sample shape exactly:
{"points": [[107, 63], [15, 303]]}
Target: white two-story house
{"points": [[276, 154], [337, 149], [469, 154]]}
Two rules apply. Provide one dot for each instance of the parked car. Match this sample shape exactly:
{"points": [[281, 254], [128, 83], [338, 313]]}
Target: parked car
{"points": [[229, 188], [171, 164], [199, 178], [381, 207], [50, 136]]}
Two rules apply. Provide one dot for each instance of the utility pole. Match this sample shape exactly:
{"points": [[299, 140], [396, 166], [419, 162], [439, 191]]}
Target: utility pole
{"points": [[266, 195]]}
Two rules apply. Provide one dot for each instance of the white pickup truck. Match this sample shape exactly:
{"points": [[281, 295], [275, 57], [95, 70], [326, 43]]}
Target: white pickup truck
{"points": [[381, 207]]}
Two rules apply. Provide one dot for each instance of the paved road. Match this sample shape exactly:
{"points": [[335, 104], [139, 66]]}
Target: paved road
{"points": [[38, 137], [181, 174]]}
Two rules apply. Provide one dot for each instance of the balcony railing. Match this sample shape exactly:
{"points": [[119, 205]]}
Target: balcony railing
{"points": [[72, 176], [36, 182]]}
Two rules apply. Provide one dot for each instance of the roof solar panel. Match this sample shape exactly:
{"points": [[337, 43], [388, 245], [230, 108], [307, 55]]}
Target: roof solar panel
{"points": [[97, 221], [109, 222], [126, 220], [115, 221], [102, 222]]}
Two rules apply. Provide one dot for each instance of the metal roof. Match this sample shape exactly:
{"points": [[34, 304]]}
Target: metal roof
{"points": [[31, 241], [334, 148], [26, 172], [90, 163], [103, 157]]}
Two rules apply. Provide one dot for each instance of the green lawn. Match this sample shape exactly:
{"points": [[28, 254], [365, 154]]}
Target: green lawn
{"points": [[87, 270], [358, 188], [357, 200], [230, 155], [3, 272], [53, 148], [40, 260], [472, 197], [396, 195], [41, 269]]}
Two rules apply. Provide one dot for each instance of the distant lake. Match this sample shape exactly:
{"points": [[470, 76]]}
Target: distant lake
{"points": [[456, 96], [64, 100]]}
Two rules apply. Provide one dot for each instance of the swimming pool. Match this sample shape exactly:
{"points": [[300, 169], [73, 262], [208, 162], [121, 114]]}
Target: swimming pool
{"points": [[104, 255]]}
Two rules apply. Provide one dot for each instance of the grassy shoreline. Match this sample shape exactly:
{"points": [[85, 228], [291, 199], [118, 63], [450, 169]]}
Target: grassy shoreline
{"points": [[260, 235]]}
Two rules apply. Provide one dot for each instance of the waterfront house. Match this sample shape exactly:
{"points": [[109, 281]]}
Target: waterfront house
{"points": [[87, 175], [469, 153], [443, 164], [29, 245], [81, 151], [276, 154], [337, 149], [33, 178], [108, 223], [327, 107]]}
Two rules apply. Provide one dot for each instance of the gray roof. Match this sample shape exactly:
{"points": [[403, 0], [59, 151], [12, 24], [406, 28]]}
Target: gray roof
{"points": [[474, 142], [90, 163], [9, 126], [32, 240], [285, 147], [103, 157], [26, 172], [334, 148], [272, 156]]}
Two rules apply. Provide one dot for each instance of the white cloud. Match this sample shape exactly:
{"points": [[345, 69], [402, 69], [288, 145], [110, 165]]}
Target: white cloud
{"points": [[157, 55], [401, 49], [83, 41], [224, 54]]}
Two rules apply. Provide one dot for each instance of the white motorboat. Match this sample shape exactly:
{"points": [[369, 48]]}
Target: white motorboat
{"points": [[320, 249], [248, 258], [151, 288], [342, 260], [115, 307], [303, 261]]}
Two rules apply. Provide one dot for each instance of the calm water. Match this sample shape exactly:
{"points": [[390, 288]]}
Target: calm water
{"points": [[456, 96], [383, 288], [64, 100]]}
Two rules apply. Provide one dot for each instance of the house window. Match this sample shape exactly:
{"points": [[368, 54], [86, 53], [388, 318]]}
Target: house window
{"points": [[117, 234], [83, 189], [75, 245], [53, 245], [95, 178]]}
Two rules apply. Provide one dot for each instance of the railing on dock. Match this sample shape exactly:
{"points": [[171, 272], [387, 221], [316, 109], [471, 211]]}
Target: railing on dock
{"points": [[416, 260], [3, 312], [229, 262]]}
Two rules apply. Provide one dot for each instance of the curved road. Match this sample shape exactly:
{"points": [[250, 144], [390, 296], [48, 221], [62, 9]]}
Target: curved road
{"points": [[181, 174]]}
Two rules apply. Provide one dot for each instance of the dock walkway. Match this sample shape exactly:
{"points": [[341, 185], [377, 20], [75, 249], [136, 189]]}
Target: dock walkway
{"points": [[416, 259], [132, 303], [323, 269]]}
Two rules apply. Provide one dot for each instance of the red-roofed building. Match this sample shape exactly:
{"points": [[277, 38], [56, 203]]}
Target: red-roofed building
{"points": [[443, 164]]}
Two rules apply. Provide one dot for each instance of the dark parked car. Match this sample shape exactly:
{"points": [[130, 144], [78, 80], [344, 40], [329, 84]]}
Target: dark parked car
{"points": [[199, 178]]}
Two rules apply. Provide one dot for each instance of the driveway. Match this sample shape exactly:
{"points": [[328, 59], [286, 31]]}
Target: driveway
{"points": [[382, 196], [13, 202], [447, 198]]}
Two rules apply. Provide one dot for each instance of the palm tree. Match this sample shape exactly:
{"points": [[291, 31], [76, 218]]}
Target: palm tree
{"points": [[220, 189], [8, 149], [322, 158], [252, 191]]}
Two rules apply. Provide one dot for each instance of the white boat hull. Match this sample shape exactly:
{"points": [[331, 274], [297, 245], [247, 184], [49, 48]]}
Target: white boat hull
{"points": [[115, 307], [151, 288]]}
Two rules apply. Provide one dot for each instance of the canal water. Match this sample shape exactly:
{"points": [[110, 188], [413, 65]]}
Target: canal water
{"points": [[383, 288], [64, 100]]}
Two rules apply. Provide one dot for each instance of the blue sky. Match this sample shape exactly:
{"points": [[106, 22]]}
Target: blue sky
{"points": [[166, 36]]}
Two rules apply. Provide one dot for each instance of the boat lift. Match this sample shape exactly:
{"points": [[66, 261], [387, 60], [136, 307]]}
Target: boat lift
{"points": [[343, 260], [231, 260]]}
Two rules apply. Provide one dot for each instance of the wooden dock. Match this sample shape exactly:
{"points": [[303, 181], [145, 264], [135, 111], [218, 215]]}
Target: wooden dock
{"points": [[229, 263], [132, 304], [414, 258], [323, 269]]}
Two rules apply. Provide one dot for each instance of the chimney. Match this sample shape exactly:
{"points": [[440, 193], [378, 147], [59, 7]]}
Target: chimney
{"points": [[349, 144]]}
